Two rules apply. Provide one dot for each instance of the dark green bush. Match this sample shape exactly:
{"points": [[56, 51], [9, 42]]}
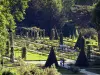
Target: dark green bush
{"points": [[24, 52]]}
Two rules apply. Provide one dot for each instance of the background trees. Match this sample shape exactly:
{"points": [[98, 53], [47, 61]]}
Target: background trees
{"points": [[47, 14], [96, 20]]}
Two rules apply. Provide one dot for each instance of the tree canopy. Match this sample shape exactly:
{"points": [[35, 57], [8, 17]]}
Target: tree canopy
{"points": [[10, 12], [47, 13], [96, 16]]}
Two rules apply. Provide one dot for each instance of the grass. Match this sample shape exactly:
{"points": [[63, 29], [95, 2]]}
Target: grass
{"points": [[69, 55], [64, 71], [31, 56]]}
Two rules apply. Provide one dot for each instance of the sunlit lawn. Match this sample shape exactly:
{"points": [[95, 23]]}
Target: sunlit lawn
{"points": [[31, 56]]}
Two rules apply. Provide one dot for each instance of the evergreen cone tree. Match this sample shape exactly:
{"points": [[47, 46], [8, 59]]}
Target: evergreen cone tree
{"points": [[51, 59], [82, 60], [78, 42]]}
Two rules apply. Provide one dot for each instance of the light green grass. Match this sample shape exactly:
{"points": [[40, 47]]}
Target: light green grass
{"points": [[31, 56]]}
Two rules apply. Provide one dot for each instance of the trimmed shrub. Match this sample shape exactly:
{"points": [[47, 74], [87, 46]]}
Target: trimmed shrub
{"points": [[82, 60], [24, 52], [51, 59]]}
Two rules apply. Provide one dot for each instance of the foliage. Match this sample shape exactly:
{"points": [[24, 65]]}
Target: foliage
{"points": [[88, 32], [23, 67], [17, 8], [52, 57], [30, 69], [82, 60], [96, 16], [8, 17], [48, 14], [7, 73]]}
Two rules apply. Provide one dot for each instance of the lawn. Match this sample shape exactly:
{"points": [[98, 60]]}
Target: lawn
{"points": [[64, 71], [31, 56]]}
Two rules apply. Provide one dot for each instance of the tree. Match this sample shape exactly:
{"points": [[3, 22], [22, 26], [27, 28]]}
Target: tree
{"points": [[48, 14], [86, 2], [78, 42], [51, 59], [82, 60], [96, 20], [3, 30], [17, 10], [10, 12], [24, 52]]}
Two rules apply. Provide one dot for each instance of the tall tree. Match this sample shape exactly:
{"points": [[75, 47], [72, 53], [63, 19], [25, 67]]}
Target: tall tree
{"points": [[96, 20], [17, 9], [11, 11], [3, 31]]}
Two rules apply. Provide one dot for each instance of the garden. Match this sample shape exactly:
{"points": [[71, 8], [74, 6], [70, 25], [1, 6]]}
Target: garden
{"points": [[49, 37]]}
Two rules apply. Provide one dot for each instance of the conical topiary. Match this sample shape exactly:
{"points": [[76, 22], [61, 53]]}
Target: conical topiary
{"points": [[51, 59], [82, 60], [78, 43]]}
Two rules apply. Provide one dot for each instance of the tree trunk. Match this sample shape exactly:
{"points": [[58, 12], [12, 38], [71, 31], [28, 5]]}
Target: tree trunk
{"points": [[56, 34], [40, 34], [1, 57], [43, 33], [61, 38], [12, 47], [99, 39], [35, 35], [52, 34], [12, 55]]}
